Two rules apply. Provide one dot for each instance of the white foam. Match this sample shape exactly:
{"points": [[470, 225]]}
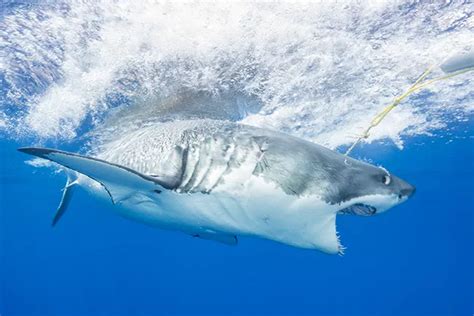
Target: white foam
{"points": [[321, 70]]}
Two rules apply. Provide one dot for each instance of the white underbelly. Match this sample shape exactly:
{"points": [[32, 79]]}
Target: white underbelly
{"points": [[257, 209]]}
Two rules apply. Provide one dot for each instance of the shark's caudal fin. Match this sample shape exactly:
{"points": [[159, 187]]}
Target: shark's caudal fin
{"points": [[120, 182], [66, 198]]}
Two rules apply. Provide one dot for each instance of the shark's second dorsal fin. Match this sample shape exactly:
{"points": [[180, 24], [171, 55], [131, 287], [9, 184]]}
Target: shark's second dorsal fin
{"points": [[119, 181], [66, 198]]}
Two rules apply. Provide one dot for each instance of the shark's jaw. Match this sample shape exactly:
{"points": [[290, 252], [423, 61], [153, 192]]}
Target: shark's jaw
{"points": [[360, 209], [368, 206], [371, 204]]}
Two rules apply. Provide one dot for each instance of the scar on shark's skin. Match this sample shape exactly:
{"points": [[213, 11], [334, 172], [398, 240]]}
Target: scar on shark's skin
{"points": [[264, 183]]}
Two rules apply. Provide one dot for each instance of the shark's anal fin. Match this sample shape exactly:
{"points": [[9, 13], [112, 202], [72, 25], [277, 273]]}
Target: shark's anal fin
{"points": [[227, 239], [66, 198], [119, 181]]}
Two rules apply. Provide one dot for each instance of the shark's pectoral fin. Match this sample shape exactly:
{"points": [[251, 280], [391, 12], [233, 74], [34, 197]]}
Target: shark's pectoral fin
{"points": [[319, 232], [66, 198], [227, 239], [120, 182]]}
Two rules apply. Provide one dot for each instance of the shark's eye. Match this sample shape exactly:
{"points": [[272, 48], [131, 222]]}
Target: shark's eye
{"points": [[387, 179]]}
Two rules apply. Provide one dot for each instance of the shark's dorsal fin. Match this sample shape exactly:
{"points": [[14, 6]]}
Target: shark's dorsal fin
{"points": [[119, 181]]}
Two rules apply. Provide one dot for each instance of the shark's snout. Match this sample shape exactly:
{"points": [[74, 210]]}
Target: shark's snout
{"points": [[405, 189], [408, 191]]}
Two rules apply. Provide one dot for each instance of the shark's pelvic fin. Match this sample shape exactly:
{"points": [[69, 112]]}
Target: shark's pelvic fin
{"points": [[66, 198], [120, 182], [227, 239]]}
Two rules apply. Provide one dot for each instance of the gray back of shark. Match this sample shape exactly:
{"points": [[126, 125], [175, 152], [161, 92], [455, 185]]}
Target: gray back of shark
{"points": [[203, 152]]}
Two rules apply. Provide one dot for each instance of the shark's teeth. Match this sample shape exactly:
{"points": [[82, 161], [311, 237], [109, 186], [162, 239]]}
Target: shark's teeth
{"points": [[360, 209]]}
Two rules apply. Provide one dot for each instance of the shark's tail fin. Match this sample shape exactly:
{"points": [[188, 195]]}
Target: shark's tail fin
{"points": [[66, 198], [120, 182]]}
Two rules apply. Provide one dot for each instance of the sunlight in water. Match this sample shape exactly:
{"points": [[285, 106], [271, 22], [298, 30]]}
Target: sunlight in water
{"points": [[108, 66]]}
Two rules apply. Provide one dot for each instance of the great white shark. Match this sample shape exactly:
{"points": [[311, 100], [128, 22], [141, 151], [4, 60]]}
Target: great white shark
{"points": [[219, 180]]}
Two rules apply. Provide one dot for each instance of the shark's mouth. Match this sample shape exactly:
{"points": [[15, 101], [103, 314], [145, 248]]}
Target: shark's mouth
{"points": [[360, 209]]}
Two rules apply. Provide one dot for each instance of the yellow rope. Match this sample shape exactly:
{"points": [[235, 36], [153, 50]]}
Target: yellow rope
{"points": [[419, 84]]}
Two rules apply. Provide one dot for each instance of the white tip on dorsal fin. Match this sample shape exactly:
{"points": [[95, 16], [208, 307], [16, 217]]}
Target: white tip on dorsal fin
{"points": [[120, 182]]}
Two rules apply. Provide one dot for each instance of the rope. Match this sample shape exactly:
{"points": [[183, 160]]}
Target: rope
{"points": [[418, 85]]}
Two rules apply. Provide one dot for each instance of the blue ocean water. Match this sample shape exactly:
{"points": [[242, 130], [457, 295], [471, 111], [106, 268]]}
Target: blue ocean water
{"points": [[316, 71]]}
